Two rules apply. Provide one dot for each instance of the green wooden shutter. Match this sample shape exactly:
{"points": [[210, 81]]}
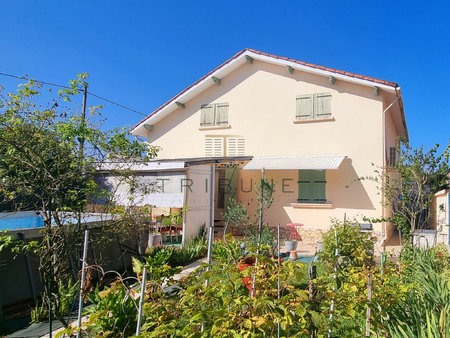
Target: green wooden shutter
{"points": [[392, 156], [221, 115], [304, 107], [322, 105], [311, 186], [207, 116], [231, 177], [318, 186]]}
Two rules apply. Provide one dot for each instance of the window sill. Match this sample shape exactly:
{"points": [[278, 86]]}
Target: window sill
{"points": [[215, 127], [313, 205], [328, 119]]}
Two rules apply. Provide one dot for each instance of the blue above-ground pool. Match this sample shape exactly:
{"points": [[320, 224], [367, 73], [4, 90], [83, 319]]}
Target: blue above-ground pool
{"points": [[21, 220]]}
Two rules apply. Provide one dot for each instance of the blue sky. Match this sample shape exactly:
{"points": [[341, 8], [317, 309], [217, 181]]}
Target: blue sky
{"points": [[141, 53]]}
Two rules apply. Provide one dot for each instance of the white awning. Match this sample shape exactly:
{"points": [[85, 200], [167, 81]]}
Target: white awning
{"points": [[316, 162]]}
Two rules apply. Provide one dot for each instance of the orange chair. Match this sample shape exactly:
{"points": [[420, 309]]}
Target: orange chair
{"points": [[293, 231]]}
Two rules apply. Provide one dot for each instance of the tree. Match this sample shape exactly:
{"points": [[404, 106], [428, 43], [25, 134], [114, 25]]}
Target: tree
{"points": [[49, 158], [235, 214], [410, 189]]}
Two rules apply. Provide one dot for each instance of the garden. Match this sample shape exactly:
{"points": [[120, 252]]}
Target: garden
{"points": [[248, 294], [242, 286]]}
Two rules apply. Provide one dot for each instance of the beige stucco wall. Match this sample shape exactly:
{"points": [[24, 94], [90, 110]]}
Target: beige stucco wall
{"points": [[391, 134], [346, 194], [262, 107], [391, 140]]}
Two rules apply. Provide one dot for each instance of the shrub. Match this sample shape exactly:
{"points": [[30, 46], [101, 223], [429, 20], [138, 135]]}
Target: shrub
{"points": [[426, 310], [225, 308], [113, 312], [355, 247], [192, 250]]}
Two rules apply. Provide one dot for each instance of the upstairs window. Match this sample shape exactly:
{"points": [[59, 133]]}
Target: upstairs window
{"points": [[214, 146], [313, 106], [393, 156], [215, 114], [218, 146], [235, 146], [311, 186]]}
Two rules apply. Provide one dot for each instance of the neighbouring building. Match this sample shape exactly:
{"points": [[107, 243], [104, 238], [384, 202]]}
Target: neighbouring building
{"points": [[315, 131], [441, 216]]}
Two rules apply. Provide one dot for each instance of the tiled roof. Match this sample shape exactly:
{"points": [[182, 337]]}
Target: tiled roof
{"points": [[320, 68], [358, 76]]}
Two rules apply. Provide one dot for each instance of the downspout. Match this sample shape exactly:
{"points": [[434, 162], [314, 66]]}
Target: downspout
{"points": [[383, 200]]}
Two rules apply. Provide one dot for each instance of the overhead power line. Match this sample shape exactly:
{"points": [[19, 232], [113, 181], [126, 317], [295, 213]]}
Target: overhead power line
{"points": [[62, 86], [117, 104], [26, 78]]}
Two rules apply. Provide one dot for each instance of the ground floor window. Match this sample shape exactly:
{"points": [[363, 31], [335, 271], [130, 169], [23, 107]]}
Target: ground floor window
{"points": [[311, 186]]}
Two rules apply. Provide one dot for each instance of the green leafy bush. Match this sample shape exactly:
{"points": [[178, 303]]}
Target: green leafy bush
{"points": [[225, 308], [349, 290], [68, 293], [192, 250], [354, 246], [113, 313], [227, 252], [426, 310]]}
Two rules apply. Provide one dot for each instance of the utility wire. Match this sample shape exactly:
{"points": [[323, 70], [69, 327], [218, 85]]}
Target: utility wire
{"points": [[62, 86], [27, 78], [117, 104]]}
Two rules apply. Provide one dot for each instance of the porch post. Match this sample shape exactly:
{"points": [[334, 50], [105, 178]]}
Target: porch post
{"points": [[211, 219]]}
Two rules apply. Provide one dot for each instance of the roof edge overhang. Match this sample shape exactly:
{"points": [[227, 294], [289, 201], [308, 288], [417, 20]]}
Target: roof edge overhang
{"points": [[236, 61], [141, 166], [175, 164]]}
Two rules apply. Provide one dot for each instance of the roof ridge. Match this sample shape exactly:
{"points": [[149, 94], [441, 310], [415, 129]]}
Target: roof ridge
{"points": [[312, 65], [307, 64]]}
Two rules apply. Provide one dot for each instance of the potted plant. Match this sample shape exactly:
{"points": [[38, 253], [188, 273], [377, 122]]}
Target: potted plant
{"points": [[290, 245], [154, 235], [154, 238]]}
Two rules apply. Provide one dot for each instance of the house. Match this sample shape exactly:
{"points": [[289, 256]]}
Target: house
{"points": [[314, 130]]}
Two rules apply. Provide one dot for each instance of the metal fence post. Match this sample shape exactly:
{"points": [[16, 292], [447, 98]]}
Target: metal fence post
{"points": [[141, 301], [83, 275]]}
